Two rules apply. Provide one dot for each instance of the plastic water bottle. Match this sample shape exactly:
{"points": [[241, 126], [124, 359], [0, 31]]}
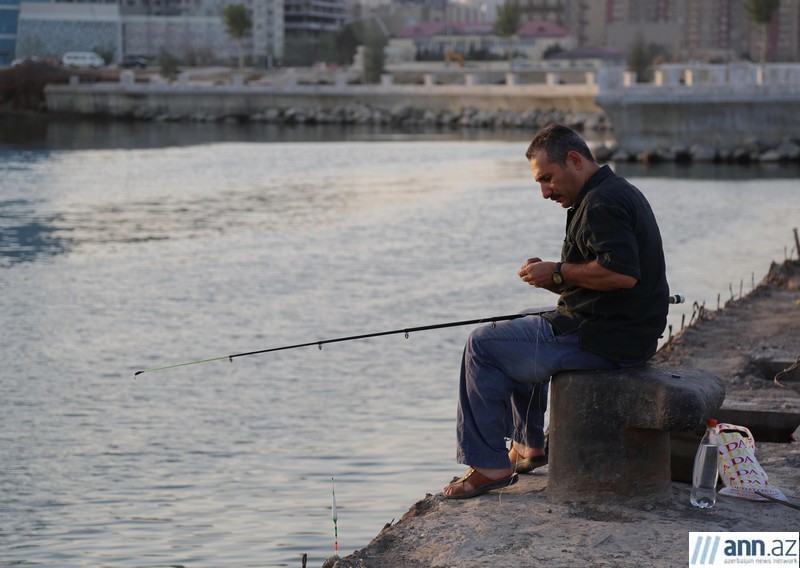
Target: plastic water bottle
{"points": [[704, 478]]}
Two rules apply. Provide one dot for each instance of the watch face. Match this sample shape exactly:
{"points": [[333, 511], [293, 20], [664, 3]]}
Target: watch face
{"points": [[557, 278]]}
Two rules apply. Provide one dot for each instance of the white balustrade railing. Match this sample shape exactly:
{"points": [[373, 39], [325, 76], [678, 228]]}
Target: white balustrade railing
{"points": [[672, 77]]}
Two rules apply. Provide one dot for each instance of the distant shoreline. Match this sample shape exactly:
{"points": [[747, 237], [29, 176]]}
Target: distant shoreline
{"points": [[664, 122], [407, 118]]}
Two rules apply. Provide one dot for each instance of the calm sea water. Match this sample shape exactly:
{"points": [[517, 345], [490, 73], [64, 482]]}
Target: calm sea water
{"points": [[127, 247]]}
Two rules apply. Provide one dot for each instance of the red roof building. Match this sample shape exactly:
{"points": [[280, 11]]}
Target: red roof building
{"points": [[531, 41]]}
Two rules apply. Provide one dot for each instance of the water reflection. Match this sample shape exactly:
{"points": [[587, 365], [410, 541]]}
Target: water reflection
{"points": [[42, 132], [24, 235], [67, 133], [707, 171]]}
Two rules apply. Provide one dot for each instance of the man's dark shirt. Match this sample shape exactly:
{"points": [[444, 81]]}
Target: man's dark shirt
{"points": [[612, 222]]}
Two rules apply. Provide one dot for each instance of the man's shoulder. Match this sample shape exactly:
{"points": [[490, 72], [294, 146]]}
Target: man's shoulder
{"points": [[614, 189], [614, 180]]}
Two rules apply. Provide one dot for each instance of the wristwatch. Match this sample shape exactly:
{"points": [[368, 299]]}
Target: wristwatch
{"points": [[557, 278]]}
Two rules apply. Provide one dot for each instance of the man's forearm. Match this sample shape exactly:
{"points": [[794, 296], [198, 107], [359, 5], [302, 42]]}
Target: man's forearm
{"points": [[593, 276]]}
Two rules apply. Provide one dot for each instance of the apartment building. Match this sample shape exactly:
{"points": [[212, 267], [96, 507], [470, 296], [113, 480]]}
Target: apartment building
{"points": [[9, 20], [186, 29], [686, 29], [312, 17]]}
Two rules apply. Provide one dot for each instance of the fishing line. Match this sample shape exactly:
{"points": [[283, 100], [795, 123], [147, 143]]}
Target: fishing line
{"points": [[523, 427]]}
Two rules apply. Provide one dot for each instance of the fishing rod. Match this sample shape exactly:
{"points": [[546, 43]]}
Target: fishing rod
{"points": [[674, 299], [774, 500], [320, 343]]}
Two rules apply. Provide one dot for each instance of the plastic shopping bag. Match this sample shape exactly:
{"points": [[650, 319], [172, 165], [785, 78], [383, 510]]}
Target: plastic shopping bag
{"points": [[738, 467]]}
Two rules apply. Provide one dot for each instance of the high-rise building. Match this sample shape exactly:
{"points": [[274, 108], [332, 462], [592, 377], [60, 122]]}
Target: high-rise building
{"points": [[788, 41], [268, 26], [191, 30], [542, 11], [50, 29], [713, 29], [9, 18], [685, 29], [267, 15], [586, 20], [310, 18]]}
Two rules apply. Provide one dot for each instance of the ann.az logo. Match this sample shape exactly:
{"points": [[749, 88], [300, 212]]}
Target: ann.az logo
{"points": [[712, 549]]}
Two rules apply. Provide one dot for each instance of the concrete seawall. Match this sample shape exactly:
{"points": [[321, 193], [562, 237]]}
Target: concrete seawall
{"points": [[121, 100], [719, 120], [719, 106]]}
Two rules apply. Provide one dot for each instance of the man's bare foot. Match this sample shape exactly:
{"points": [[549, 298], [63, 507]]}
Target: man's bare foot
{"points": [[477, 481]]}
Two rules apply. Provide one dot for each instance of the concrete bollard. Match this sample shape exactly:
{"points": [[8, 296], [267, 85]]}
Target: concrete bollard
{"points": [[386, 80], [429, 79], [609, 430], [717, 74], [741, 74], [470, 80], [237, 80], [667, 76], [74, 80], [127, 78], [609, 78], [551, 79], [511, 79]]}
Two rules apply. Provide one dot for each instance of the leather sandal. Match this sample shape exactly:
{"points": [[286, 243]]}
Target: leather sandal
{"points": [[525, 465], [481, 484]]}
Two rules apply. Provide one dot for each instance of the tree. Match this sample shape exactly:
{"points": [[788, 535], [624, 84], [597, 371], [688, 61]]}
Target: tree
{"points": [[374, 55], [760, 12], [345, 44], [507, 24], [238, 24], [641, 57], [168, 64], [106, 52]]}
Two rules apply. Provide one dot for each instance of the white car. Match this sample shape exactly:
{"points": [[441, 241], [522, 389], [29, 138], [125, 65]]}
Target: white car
{"points": [[82, 59]]}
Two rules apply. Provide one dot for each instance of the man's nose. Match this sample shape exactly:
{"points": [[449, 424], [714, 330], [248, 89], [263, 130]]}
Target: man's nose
{"points": [[546, 191]]}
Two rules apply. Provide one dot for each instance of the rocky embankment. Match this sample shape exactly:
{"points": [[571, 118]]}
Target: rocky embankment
{"points": [[405, 116], [522, 527], [752, 150]]}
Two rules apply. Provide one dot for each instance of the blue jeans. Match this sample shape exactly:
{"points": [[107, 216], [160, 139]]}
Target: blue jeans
{"points": [[505, 374]]}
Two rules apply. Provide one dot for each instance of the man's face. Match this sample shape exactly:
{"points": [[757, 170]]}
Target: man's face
{"points": [[558, 184]]}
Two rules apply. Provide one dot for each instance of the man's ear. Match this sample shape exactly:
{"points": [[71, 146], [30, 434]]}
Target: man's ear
{"points": [[575, 159]]}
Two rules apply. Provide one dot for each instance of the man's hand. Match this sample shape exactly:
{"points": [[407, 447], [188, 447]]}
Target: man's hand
{"points": [[591, 275], [539, 273]]}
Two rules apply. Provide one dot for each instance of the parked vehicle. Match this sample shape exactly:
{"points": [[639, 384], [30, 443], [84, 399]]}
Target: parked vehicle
{"points": [[82, 59], [133, 62], [24, 61]]}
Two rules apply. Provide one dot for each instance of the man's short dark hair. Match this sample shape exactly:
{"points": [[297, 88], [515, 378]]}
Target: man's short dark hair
{"points": [[557, 141]]}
